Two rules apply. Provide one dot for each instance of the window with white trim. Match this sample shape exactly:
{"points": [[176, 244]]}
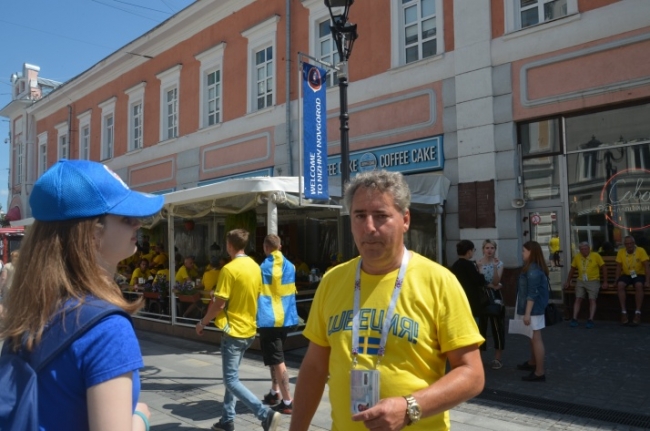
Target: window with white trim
{"points": [[63, 147], [210, 96], [261, 58], [42, 153], [522, 14], [321, 42], [108, 129], [326, 50], [84, 135], [418, 29], [169, 86], [136, 116]]}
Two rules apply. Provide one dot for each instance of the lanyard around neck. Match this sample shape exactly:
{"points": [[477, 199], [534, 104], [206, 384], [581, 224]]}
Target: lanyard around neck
{"points": [[390, 311]]}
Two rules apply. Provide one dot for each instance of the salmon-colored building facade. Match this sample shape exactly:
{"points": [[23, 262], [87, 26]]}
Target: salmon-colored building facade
{"points": [[533, 109]]}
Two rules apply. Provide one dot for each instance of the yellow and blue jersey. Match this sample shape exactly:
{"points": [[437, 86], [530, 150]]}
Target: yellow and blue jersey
{"points": [[276, 305]]}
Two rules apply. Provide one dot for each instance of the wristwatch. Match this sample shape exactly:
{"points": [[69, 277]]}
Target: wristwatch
{"points": [[413, 410]]}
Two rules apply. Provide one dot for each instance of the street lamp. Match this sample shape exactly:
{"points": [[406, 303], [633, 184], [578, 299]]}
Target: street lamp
{"points": [[344, 34]]}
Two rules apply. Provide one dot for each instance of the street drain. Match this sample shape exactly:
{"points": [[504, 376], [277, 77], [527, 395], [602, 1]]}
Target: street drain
{"points": [[565, 408]]}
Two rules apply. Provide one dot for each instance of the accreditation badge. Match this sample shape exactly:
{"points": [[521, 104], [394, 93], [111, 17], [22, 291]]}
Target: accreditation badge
{"points": [[364, 389], [632, 274], [584, 277]]}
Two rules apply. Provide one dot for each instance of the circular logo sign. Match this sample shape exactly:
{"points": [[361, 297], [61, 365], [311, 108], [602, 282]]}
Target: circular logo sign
{"points": [[367, 162], [314, 79], [627, 193], [535, 219]]}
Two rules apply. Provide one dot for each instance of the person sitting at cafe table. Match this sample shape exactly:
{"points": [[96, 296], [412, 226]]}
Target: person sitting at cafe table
{"points": [[160, 257], [208, 282], [141, 272], [188, 271], [301, 267]]}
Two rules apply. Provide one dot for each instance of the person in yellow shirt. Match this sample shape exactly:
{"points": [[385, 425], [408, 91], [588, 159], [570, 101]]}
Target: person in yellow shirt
{"points": [[208, 282], [142, 271], [589, 265], [632, 267], [554, 248], [188, 271], [429, 326], [160, 258], [240, 283]]}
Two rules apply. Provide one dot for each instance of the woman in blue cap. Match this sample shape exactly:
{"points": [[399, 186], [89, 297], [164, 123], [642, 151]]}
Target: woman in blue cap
{"points": [[86, 220]]}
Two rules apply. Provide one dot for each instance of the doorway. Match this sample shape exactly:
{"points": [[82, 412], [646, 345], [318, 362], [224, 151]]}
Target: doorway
{"points": [[545, 226]]}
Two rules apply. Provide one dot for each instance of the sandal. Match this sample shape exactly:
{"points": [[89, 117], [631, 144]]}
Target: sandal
{"points": [[496, 364]]}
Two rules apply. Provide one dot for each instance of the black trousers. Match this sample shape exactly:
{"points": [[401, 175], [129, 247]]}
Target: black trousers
{"points": [[497, 327]]}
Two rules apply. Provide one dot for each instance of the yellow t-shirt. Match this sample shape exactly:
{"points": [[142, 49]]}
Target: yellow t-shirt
{"points": [[554, 244], [632, 262], [432, 317], [160, 259], [240, 282], [303, 267], [162, 272], [149, 256], [590, 265], [137, 273], [183, 273], [210, 281]]}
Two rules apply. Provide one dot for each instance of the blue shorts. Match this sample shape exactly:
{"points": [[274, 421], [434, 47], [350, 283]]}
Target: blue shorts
{"points": [[629, 280]]}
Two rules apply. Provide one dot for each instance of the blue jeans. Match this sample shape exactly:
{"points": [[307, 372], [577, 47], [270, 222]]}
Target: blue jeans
{"points": [[232, 352]]}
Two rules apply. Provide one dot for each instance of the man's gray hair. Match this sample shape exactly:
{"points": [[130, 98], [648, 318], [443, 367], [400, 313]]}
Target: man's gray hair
{"points": [[383, 181], [584, 243]]}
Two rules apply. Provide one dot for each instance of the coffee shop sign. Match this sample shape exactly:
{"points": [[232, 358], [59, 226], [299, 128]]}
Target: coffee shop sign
{"points": [[626, 192], [415, 156]]}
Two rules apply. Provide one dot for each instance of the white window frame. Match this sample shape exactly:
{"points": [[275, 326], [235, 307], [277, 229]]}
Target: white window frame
{"points": [[42, 153], [62, 141], [398, 55], [170, 80], [211, 61], [108, 129], [84, 135], [261, 37], [513, 16], [135, 126], [319, 13]]}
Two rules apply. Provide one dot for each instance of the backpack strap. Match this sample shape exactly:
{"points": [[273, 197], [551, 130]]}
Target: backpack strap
{"points": [[69, 324]]}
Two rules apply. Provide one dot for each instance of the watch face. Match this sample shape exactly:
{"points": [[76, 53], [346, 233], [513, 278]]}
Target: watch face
{"points": [[414, 412]]}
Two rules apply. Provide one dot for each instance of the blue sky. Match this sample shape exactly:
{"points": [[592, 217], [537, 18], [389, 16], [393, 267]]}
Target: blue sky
{"points": [[64, 38]]}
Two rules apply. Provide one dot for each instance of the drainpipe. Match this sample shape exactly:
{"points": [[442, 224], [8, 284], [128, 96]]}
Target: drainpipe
{"points": [[69, 130], [287, 62]]}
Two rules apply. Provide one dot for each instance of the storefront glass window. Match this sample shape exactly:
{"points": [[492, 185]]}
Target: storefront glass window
{"points": [[608, 128], [609, 196], [541, 178], [541, 137]]}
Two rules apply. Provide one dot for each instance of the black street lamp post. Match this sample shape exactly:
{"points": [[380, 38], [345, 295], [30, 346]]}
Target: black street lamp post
{"points": [[344, 34]]}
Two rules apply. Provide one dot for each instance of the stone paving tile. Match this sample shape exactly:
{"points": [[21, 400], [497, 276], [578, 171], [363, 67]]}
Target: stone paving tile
{"points": [[608, 367]]}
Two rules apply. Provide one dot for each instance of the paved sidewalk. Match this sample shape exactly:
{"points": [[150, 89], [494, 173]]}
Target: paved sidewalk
{"points": [[606, 369]]}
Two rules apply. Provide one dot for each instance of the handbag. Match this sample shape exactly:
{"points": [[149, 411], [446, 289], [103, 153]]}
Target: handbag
{"points": [[552, 314], [492, 307]]}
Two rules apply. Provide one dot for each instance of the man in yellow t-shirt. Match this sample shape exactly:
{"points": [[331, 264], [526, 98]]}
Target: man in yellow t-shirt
{"points": [[632, 267], [160, 258], [432, 325], [188, 271], [589, 265], [235, 309], [142, 271]]}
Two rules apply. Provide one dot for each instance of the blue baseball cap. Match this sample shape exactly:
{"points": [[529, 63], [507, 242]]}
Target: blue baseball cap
{"points": [[74, 189]]}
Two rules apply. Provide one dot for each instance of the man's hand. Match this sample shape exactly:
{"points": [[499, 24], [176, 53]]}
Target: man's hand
{"points": [[388, 415], [199, 328]]}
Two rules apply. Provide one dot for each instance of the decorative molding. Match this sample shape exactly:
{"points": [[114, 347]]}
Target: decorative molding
{"points": [[408, 128], [171, 177], [617, 86], [266, 135]]}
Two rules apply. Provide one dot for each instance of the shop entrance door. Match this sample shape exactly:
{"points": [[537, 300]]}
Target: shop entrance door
{"points": [[546, 227]]}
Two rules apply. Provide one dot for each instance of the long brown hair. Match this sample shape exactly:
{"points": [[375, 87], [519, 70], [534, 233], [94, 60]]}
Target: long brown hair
{"points": [[59, 263], [536, 256]]}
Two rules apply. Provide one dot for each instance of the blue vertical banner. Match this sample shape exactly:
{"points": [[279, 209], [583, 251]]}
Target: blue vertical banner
{"points": [[314, 128]]}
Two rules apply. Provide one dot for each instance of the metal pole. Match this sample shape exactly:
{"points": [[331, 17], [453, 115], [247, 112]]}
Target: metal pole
{"points": [[345, 157]]}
